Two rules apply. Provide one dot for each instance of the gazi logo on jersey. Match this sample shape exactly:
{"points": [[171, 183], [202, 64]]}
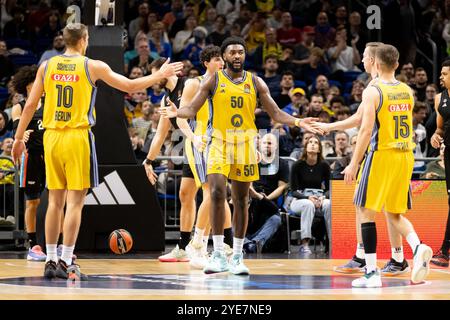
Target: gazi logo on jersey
{"points": [[65, 77], [399, 107]]}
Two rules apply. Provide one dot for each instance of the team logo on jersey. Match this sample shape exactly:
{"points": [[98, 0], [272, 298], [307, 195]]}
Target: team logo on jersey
{"points": [[445, 103], [238, 172], [246, 88], [399, 107], [65, 77], [237, 120]]}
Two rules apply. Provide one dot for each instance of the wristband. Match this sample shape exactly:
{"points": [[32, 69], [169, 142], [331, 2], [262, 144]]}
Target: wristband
{"points": [[297, 122], [148, 161]]}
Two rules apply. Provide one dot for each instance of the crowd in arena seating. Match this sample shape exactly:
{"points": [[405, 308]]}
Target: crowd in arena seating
{"points": [[307, 51]]}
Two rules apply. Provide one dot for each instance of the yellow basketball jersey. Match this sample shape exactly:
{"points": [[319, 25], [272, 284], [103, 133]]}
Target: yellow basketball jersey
{"points": [[69, 93], [393, 127], [232, 111], [200, 123]]}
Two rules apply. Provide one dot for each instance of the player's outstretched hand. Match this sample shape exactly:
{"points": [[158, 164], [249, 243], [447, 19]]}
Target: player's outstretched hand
{"points": [[151, 175], [436, 141], [321, 126], [169, 112], [170, 69], [306, 124], [17, 149], [350, 173], [26, 135]]}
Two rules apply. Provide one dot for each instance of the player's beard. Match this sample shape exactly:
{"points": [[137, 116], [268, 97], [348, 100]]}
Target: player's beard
{"points": [[233, 69]]}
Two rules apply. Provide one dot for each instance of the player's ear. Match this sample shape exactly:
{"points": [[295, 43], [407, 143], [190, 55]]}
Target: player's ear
{"points": [[396, 65]]}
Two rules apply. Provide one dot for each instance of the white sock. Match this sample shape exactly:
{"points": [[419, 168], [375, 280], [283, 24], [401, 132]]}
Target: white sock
{"points": [[413, 241], [51, 253], [198, 235], [218, 243], [360, 253], [397, 254], [67, 253], [371, 262], [238, 245]]}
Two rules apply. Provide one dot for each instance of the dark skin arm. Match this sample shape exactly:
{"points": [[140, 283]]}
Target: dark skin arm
{"points": [[189, 111]]}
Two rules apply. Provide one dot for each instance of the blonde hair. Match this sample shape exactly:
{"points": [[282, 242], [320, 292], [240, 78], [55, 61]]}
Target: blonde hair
{"points": [[73, 33]]}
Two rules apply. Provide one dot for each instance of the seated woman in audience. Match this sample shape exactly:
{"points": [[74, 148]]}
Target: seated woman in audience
{"points": [[310, 184], [436, 169]]}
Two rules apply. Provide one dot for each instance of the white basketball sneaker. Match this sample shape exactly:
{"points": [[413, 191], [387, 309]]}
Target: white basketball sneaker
{"points": [[369, 280]]}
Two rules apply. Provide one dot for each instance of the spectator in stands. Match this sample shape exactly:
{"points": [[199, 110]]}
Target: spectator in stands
{"points": [[180, 24], [136, 24], [245, 15], [264, 219], [144, 58], [270, 47], [58, 48], [343, 114], [229, 8], [193, 50], [274, 20], [254, 32], [137, 143], [333, 92], [6, 177], [143, 123], [339, 165], [288, 35], [5, 128], [133, 105], [176, 13], [310, 172], [436, 169], [136, 72], [16, 28], [297, 107], [430, 93], [6, 65], [158, 45], [355, 30], [271, 76], [420, 83], [321, 86], [303, 50], [235, 30], [193, 73], [341, 145], [340, 16], [408, 70], [316, 66], [315, 106], [342, 56], [219, 33], [286, 84], [156, 94], [287, 60], [131, 54], [6, 8], [297, 152], [182, 37], [356, 95], [420, 134], [209, 23], [52, 26], [325, 33], [336, 104]]}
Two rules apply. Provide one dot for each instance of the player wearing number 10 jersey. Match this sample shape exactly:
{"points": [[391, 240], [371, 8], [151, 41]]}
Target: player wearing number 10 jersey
{"points": [[69, 83]]}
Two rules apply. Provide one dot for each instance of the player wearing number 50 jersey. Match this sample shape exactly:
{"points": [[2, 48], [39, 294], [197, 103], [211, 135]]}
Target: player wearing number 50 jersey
{"points": [[69, 84]]}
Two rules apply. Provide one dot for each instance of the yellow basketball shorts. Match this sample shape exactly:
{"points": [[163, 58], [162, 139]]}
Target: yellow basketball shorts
{"points": [[384, 181], [70, 159], [197, 162], [236, 161]]}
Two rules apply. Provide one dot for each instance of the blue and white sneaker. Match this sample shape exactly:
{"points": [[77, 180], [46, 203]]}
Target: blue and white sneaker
{"points": [[237, 265], [421, 266], [216, 263], [369, 280], [36, 254]]}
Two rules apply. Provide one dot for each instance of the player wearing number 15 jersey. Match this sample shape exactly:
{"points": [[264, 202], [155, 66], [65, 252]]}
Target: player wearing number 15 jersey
{"points": [[69, 84], [385, 174]]}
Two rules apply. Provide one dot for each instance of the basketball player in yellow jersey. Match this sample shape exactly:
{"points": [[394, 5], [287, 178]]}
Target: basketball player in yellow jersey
{"points": [[397, 264], [385, 175], [70, 161], [232, 94]]}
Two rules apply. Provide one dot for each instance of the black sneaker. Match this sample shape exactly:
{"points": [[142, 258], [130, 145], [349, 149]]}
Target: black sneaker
{"points": [[50, 269], [71, 272], [394, 268], [440, 259]]}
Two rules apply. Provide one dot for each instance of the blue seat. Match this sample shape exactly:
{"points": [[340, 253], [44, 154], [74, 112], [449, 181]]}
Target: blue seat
{"points": [[348, 87], [18, 43], [350, 76], [301, 84], [335, 83], [27, 59]]}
